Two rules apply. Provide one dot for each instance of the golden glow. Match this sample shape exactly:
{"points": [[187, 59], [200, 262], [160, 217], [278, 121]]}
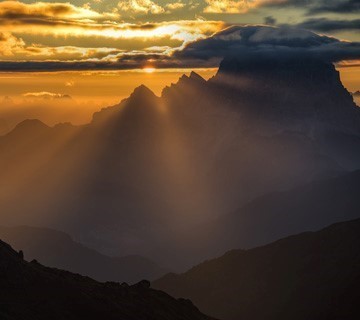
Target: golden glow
{"points": [[149, 70], [38, 94], [350, 77]]}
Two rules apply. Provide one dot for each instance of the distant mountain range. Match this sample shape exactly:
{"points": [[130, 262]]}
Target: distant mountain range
{"points": [[280, 214], [313, 275], [146, 171], [31, 291], [57, 249]]}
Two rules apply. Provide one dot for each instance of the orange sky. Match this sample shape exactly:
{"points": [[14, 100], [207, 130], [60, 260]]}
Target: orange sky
{"points": [[90, 91], [36, 95]]}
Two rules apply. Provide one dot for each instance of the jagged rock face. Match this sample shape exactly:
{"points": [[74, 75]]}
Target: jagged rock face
{"points": [[30, 290], [304, 95]]}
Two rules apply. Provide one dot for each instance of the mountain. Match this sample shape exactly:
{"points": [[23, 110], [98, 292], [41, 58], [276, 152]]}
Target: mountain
{"points": [[4, 128], [57, 249], [280, 214], [356, 96], [30, 290], [313, 275], [147, 170], [303, 95]]}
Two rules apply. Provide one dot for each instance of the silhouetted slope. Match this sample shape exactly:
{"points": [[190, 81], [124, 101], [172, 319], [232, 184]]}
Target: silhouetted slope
{"points": [[279, 214], [307, 276], [356, 94], [57, 249], [32, 291]]}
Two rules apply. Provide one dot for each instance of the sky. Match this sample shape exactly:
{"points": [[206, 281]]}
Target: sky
{"points": [[97, 51]]}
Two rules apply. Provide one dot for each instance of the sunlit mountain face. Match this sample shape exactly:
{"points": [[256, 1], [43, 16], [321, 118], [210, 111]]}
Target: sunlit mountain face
{"points": [[176, 130]]}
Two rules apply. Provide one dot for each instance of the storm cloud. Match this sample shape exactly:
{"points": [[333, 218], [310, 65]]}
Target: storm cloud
{"points": [[328, 25], [264, 42], [318, 6]]}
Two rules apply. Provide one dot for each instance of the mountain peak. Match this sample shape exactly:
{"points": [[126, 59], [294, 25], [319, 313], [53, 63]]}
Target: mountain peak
{"points": [[7, 252], [192, 80], [142, 91], [30, 126], [196, 76]]}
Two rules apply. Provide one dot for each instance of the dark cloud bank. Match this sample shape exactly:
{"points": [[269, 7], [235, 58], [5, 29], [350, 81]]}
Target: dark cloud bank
{"points": [[319, 6], [263, 42]]}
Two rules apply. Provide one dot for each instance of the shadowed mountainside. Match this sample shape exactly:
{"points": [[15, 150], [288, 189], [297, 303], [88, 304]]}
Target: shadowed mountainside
{"points": [[30, 290], [57, 249], [147, 170], [280, 214], [313, 275]]}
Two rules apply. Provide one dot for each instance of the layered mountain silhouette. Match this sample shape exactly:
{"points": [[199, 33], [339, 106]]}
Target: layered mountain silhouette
{"points": [[313, 275], [146, 171], [280, 214], [57, 249], [30, 290]]}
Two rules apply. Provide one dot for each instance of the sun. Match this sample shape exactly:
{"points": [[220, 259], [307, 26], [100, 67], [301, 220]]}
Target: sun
{"points": [[149, 70]]}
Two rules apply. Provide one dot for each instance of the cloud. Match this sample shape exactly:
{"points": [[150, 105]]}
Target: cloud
{"points": [[19, 10], [252, 43], [176, 33], [9, 44], [12, 47], [318, 6], [70, 83], [270, 20], [45, 95], [140, 6], [175, 6], [328, 25], [31, 22], [229, 6], [248, 43], [337, 6]]}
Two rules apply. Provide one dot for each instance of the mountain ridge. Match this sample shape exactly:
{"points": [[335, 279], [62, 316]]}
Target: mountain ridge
{"points": [[57, 249], [32, 290], [312, 275]]}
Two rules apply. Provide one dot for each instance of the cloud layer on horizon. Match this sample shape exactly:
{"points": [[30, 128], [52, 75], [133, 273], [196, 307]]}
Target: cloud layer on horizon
{"points": [[248, 43]]}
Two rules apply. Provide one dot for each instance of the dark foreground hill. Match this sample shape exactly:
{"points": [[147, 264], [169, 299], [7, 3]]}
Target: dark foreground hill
{"points": [[57, 249], [32, 291], [313, 275]]}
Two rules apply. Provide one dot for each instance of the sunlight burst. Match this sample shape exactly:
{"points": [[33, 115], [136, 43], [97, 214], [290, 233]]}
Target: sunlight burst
{"points": [[149, 70]]}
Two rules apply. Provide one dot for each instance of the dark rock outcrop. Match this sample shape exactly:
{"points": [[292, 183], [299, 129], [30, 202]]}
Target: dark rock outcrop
{"points": [[57, 249], [32, 291]]}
